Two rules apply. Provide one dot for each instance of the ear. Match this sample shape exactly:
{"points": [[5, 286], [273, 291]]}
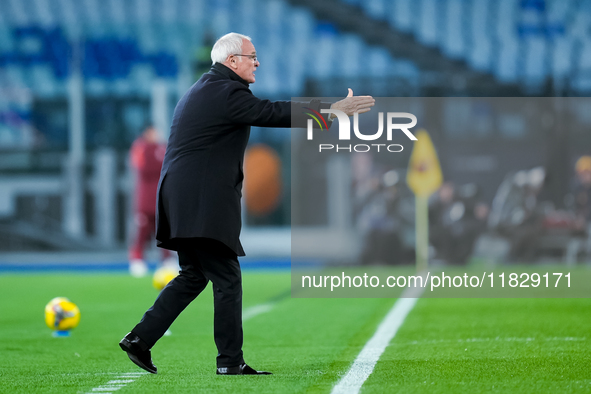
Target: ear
{"points": [[232, 62]]}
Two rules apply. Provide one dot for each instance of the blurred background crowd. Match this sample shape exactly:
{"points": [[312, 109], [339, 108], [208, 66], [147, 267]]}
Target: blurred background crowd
{"points": [[80, 80], [520, 225]]}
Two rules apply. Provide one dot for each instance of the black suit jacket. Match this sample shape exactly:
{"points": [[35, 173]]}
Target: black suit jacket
{"points": [[201, 180]]}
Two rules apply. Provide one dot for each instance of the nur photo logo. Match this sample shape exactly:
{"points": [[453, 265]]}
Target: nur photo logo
{"points": [[345, 130]]}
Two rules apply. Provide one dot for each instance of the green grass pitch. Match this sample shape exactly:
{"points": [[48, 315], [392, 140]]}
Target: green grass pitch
{"points": [[444, 345]]}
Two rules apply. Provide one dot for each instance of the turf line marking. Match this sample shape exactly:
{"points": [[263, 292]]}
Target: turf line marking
{"points": [[372, 351], [120, 381], [256, 310]]}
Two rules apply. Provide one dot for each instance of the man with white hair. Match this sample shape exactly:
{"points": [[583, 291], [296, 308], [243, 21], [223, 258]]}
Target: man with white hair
{"points": [[198, 208]]}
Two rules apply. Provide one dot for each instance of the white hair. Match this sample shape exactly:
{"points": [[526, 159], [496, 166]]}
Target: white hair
{"points": [[230, 44]]}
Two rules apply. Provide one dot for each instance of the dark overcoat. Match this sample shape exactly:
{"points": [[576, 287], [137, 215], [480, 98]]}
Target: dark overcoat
{"points": [[201, 180]]}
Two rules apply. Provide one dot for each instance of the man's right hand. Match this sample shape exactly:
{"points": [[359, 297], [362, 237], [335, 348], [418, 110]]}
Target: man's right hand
{"points": [[352, 104]]}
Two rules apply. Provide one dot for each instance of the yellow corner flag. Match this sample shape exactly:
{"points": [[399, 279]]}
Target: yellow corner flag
{"points": [[424, 175]]}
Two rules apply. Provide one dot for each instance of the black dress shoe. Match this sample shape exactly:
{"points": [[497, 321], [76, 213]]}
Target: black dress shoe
{"points": [[240, 370], [138, 352]]}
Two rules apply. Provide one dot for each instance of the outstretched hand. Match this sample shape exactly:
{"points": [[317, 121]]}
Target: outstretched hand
{"points": [[352, 104]]}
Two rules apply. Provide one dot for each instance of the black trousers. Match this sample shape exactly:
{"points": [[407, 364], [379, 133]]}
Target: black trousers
{"points": [[202, 261]]}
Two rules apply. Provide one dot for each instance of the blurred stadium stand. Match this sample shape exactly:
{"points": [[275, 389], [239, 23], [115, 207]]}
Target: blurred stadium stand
{"points": [[392, 48], [539, 45], [136, 57]]}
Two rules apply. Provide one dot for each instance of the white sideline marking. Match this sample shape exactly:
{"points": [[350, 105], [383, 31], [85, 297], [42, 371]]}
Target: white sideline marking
{"points": [[256, 310], [370, 354], [120, 381]]}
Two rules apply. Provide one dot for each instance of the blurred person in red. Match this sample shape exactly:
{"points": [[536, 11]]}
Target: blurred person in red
{"points": [[147, 154]]}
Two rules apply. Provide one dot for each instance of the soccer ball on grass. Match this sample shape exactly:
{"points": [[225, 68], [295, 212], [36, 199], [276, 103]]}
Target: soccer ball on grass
{"points": [[162, 276], [61, 315]]}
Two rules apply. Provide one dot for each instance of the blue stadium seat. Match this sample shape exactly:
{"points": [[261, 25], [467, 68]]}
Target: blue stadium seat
{"points": [[18, 14], [96, 87], [352, 62], [407, 70], [44, 81], [139, 75], [4, 14], [15, 74], [536, 64], [454, 36], [377, 9], [583, 65], [379, 62], [562, 57], [507, 61], [6, 39], [402, 15], [429, 22], [480, 54]]}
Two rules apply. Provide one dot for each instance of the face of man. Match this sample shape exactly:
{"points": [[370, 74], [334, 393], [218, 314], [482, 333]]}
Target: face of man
{"points": [[243, 65], [151, 134]]}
